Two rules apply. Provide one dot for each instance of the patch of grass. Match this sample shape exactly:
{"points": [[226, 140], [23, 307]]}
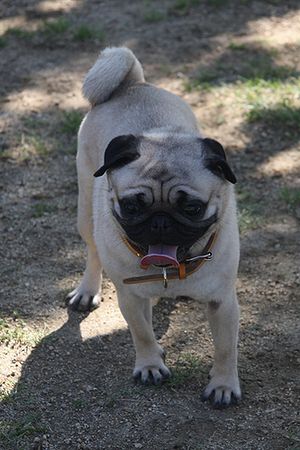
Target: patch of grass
{"points": [[4, 396], [255, 49], [251, 75], [153, 16], [292, 435], [31, 145], [38, 144], [254, 67], [56, 27], [165, 69], [71, 121], [260, 66], [291, 196], [20, 33], [207, 76], [188, 86], [249, 212], [37, 139], [8, 390], [78, 403], [3, 42], [273, 103], [33, 122], [12, 333], [259, 94], [15, 332], [53, 29], [199, 84], [205, 80], [11, 432], [183, 6], [237, 47], [85, 33], [42, 209], [280, 115], [258, 86], [186, 368], [247, 219], [263, 70]]}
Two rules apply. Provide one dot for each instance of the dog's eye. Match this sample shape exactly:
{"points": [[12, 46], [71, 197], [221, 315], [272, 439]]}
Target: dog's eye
{"points": [[190, 207], [193, 209], [130, 208]]}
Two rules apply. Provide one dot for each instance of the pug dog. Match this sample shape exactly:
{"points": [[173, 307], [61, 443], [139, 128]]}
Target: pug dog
{"points": [[157, 212]]}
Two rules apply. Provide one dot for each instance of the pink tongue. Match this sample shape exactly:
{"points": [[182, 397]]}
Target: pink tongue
{"points": [[160, 255]]}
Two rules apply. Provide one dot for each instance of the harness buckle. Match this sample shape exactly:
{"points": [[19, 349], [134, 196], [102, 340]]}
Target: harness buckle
{"points": [[206, 256], [165, 280]]}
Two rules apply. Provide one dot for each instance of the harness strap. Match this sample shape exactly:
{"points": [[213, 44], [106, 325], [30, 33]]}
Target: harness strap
{"points": [[185, 269]]}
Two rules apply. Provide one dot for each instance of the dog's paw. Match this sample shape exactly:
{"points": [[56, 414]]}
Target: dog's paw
{"points": [[151, 370], [222, 391], [81, 300]]}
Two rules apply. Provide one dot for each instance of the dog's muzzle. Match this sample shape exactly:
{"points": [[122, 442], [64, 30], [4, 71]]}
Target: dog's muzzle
{"points": [[160, 236]]}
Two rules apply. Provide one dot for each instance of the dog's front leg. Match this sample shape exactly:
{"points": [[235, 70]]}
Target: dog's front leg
{"points": [[149, 365], [88, 294], [224, 387]]}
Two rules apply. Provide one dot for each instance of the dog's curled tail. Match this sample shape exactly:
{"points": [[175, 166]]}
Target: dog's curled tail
{"points": [[115, 66]]}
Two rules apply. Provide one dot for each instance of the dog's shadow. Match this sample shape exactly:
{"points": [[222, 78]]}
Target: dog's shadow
{"points": [[67, 384]]}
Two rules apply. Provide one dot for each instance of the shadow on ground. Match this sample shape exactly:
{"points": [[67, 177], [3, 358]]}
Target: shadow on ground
{"points": [[78, 394]]}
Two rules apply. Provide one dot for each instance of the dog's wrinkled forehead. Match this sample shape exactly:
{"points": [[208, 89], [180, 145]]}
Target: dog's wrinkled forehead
{"points": [[159, 157], [162, 160], [164, 165]]}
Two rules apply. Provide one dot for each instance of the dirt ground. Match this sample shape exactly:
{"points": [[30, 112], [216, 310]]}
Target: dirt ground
{"points": [[65, 377]]}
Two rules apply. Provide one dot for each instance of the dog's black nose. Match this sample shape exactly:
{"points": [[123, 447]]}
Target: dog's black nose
{"points": [[160, 224]]}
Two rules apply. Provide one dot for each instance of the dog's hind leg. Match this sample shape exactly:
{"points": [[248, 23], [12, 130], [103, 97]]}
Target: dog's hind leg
{"points": [[87, 295]]}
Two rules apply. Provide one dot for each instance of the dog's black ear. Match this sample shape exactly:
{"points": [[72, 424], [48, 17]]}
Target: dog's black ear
{"points": [[120, 151], [215, 160]]}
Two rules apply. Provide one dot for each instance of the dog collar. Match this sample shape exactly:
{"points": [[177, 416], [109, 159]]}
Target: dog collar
{"points": [[185, 269]]}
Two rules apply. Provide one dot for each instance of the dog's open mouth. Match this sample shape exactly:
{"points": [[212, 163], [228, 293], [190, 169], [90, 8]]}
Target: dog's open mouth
{"points": [[165, 248], [160, 255]]}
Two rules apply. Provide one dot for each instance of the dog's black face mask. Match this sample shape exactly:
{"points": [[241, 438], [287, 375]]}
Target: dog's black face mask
{"points": [[178, 227], [162, 228]]}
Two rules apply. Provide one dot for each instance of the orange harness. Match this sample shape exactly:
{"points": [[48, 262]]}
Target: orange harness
{"points": [[185, 269]]}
